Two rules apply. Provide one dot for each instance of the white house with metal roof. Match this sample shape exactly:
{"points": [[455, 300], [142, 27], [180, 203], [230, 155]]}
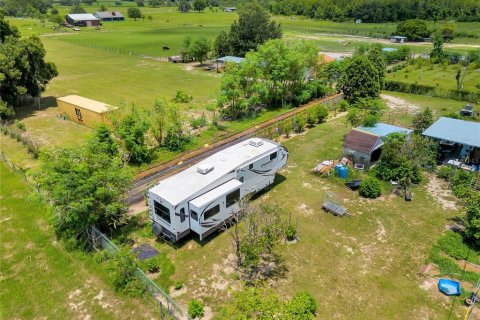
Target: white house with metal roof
{"points": [[205, 195], [83, 19]]}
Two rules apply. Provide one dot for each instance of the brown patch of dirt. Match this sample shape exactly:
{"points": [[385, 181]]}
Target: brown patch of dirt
{"points": [[396, 103], [305, 210], [137, 208], [468, 266], [439, 190]]}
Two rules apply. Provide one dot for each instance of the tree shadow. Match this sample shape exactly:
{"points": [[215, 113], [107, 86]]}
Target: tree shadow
{"points": [[27, 110]]}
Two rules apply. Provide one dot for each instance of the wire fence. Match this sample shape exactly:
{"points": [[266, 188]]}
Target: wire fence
{"points": [[14, 166], [168, 308]]}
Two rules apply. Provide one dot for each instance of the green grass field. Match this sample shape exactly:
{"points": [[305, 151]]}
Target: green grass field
{"points": [[437, 76], [39, 279], [362, 267]]}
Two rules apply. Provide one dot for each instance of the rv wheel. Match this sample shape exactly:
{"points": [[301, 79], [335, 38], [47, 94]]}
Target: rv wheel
{"points": [[157, 229]]}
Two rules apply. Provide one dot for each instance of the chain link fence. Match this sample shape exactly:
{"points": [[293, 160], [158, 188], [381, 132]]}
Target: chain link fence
{"points": [[168, 308]]}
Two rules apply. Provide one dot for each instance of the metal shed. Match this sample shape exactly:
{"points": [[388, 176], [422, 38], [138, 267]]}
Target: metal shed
{"points": [[362, 147], [110, 16], [83, 20]]}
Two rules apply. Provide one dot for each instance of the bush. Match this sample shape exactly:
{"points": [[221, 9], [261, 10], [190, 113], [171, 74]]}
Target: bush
{"points": [[343, 106], [311, 118], [175, 139], [287, 128], [195, 309], [445, 172], [199, 122], [20, 125], [452, 243], [178, 285], [302, 306], [291, 232], [321, 113], [182, 97], [123, 267], [370, 188], [151, 264], [370, 120], [298, 124]]}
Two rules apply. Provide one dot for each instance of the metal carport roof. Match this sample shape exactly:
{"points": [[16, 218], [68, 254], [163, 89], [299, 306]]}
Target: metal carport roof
{"points": [[454, 130]]}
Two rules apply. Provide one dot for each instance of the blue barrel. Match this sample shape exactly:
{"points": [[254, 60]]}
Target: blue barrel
{"points": [[337, 167], [343, 172]]}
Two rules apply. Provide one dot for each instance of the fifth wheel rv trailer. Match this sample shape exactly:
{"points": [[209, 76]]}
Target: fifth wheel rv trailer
{"points": [[203, 196]]}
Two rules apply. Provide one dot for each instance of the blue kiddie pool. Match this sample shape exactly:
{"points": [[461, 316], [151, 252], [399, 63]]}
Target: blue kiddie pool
{"points": [[449, 287]]}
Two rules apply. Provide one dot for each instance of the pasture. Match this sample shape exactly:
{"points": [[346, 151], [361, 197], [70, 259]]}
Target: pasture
{"points": [[437, 75], [39, 278]]}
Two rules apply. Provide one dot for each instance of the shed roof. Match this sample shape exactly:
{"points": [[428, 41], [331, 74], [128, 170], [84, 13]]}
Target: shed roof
{"points": [[398, 37], [187, 183], [82, 17], [89, 104], [231, 59], [382, 129], [388, 49], [362, 141], [454, 130], [109, 14]]}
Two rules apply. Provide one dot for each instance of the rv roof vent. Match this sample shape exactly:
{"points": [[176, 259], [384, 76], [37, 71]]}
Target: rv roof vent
{"points": [[204, 168], [255, 142]]}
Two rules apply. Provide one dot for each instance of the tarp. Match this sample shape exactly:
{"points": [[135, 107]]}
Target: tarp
{"points": [[454, 130], [383, 129]]}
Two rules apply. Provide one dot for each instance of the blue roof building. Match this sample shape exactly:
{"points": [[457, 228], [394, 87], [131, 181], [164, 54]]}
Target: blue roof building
{"points": [[230, 59], [454, 130], [382, 129]]}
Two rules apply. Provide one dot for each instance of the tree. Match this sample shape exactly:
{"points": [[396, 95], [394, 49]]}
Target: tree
{"points": [[199, 5], [86, 186], [53, 11], [184, 6], [186, 50], [7, 30], [55, 18], [200, 49], [472, 219], [88, 2], [447, 31], [103, 8], [437, 51], [175, 138], [154, 3], [134, 13], [77, 9], [252, 29], [422, 121], [377, 58], [23, 69], [360, 80], [103, 141], [132, 128], [413, 29], [221, 45]]}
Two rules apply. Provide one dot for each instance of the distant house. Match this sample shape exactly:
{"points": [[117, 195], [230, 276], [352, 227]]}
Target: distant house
{"points": [[83, 20], [358, 21], [363, 145], [398, 39], [230, 9], [110, 16]]}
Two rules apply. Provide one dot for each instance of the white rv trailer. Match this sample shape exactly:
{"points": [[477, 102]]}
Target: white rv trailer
{"points": [[203, 196]]}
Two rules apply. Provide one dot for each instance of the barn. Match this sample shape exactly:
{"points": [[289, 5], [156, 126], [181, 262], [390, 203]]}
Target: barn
{"points": [[84, 111], [110, 16], [83, 20]]}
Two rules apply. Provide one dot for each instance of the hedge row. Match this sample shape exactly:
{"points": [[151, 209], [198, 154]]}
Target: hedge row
{"points": [[415, 88]]}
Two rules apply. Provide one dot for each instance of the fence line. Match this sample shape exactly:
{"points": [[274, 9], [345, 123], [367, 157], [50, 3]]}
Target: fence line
{"points": [[167, 306], [12, 165]]}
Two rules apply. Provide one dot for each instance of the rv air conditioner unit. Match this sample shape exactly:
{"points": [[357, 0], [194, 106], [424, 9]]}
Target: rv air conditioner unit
{"points": [[204, 169], [255, 142]]}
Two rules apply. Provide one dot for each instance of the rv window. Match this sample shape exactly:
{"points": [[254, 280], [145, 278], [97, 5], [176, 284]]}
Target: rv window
{"points": [[211, 212], [194, 215], [250, 166], [233, 197], [241, 179], [182, 215], [273, 155], [162, 211]]}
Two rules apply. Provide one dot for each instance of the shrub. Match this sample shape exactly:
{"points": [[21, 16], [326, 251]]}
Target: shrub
{"points": [[199, 122], [195, 309], [302, 306], [298, 124], [123, 267], [182, 97], [321, 113], [287, 128], [370, 120], [370, 188], [311, 118], [290, 232], [343, 106], [175, 138], [151, 264], [178, 285], [445, 172]]}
